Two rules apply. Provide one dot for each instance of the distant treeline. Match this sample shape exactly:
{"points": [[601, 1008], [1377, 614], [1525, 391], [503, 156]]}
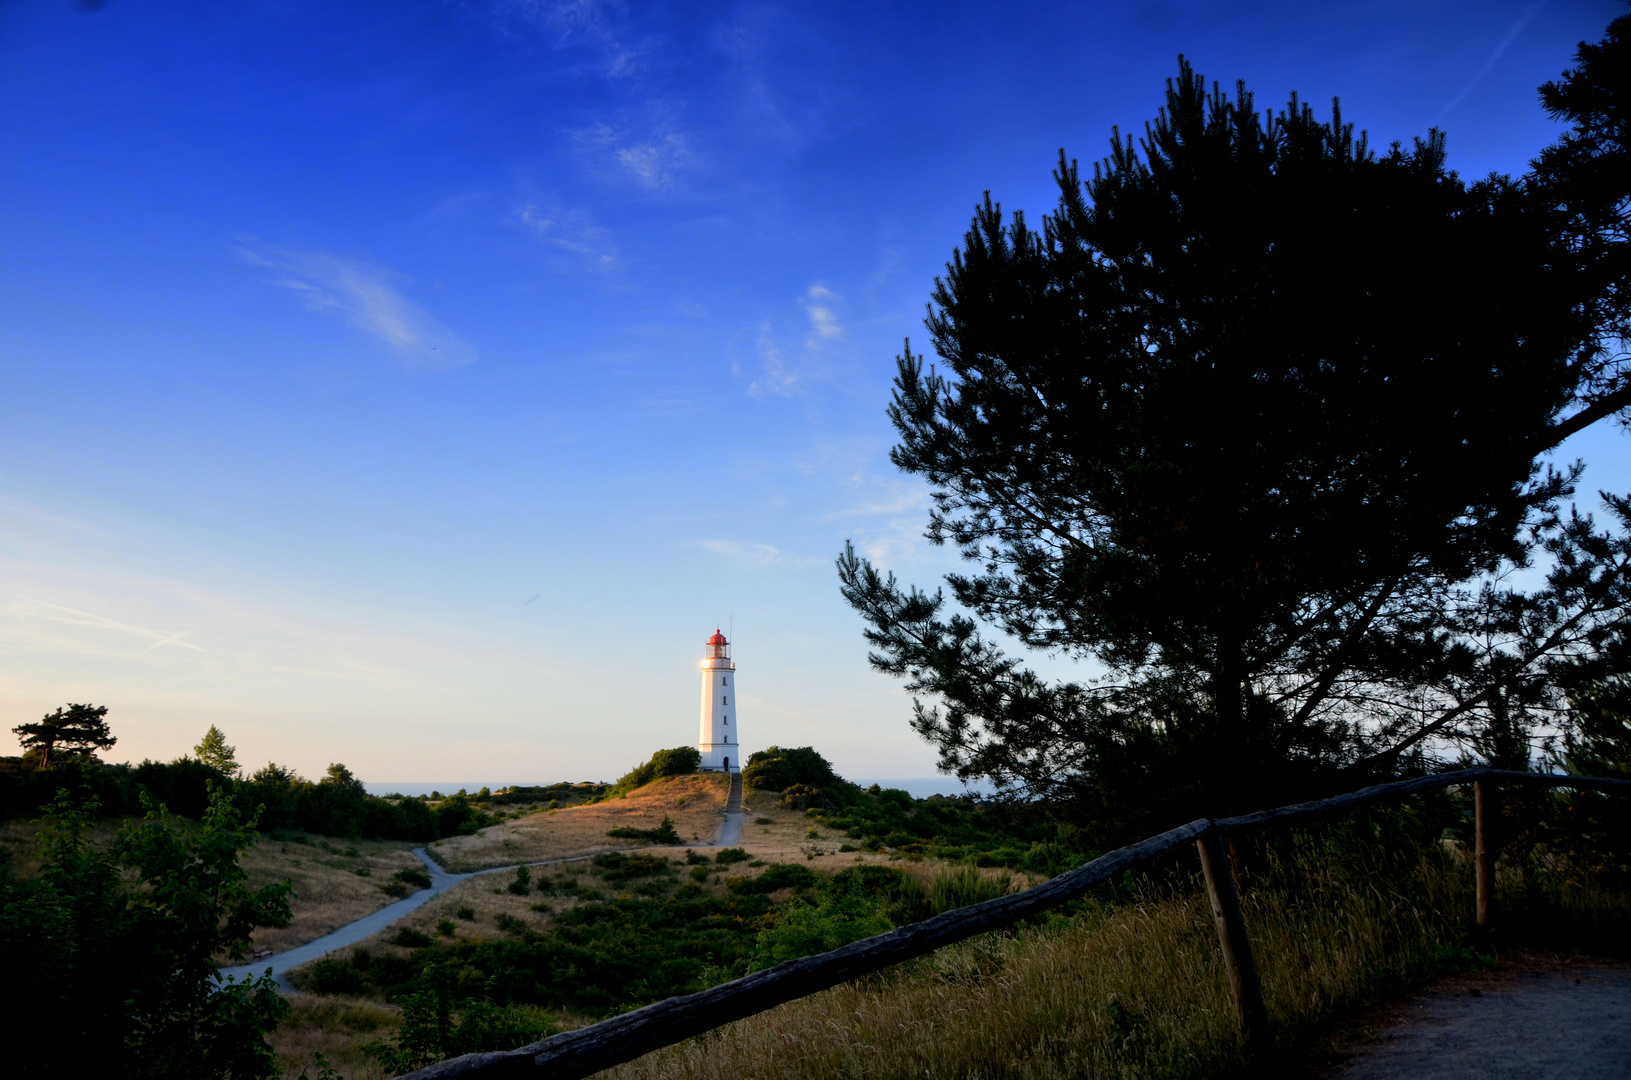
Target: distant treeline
{"points": [[335, 805]]}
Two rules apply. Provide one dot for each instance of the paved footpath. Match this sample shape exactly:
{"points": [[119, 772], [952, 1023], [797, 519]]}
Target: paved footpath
{"points": [[1569, 1022], [440, 882]]}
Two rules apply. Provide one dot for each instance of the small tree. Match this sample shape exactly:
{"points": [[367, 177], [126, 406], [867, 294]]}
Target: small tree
{"points": [[72, 731], [213, 751]]}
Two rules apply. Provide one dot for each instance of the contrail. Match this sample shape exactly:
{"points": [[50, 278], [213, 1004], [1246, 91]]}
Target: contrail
{"points": [[524, 603], [1494, 58]]}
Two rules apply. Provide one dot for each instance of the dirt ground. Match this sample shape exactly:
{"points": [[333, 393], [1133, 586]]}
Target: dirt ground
{"points": [[335, 882], [1534, 1016], [696, 804]]}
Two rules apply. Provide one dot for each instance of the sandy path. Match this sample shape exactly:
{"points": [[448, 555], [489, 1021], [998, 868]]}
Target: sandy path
{"points": [[1571, 1021]]}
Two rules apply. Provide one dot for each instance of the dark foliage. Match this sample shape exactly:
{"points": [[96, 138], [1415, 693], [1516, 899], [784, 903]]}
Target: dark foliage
{"points": [[773, 877], [1251, 424], [664, 833], [112, 951], [434, 1028], [562, 794], [618, 868], [777, 769], [72, 731]]}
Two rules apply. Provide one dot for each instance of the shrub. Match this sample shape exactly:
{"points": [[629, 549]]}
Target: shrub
{"points": [[776, 876], [662, 834], [509, 924], [336, 977], [445, 927], [618, 867], [415, 878], [468, 914], [522, 885], [964, 885], [727, 856], [776, 769], [679, 761], [435, 1027], [411, 939], [804, 929]]}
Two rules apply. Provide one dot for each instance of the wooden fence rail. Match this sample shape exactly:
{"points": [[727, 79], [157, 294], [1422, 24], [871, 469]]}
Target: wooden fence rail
{"points": [[575, 1054]]}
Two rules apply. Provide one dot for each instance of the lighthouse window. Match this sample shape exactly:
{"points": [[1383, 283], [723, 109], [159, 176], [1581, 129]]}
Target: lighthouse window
{"points": [[722, 680], [727, 719]]}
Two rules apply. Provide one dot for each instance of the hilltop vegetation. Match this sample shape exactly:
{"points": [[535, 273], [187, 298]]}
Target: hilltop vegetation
{"points": [[627, 929], [875, 819], [335, 805]]}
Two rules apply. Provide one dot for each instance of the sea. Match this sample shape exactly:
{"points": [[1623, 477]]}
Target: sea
{"points": [[919, 787]]}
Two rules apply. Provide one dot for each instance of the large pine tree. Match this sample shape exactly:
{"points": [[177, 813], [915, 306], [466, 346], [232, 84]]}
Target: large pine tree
{"points": [[71, 731], [1251, 424]]}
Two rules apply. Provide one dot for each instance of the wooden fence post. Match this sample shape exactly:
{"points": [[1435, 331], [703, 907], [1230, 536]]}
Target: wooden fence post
{"points": [[1237, 948], [1483, 854]]}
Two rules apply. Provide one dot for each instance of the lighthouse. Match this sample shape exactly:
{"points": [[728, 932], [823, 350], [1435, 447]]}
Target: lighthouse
{"points": [[720, 739]]}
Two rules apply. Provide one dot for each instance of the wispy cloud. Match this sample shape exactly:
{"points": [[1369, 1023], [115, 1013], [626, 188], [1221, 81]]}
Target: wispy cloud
{"points": [[818, 305], [571, 231], [1494, 58], [654, 160], [364, 295], [776, 375], [577, 22], [24, 608], [783, 375], [756, 555]]}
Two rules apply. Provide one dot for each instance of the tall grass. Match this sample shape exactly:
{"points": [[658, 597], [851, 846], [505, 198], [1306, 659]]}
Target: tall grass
{"points": [[1135, 988]]}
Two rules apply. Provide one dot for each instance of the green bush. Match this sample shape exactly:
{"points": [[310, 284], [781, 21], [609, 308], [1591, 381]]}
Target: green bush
{"points": [[727, 856], [680, 761], [522, 885], [617, 867], [964, 885], [776, 876], [411, 939], [435, 1027], [776, 769], [662, 834], [415, 878], [336, 977], [804, 929]]}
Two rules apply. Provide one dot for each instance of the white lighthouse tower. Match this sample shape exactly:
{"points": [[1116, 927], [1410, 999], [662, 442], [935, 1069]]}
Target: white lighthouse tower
{"points": [[720, 741]]}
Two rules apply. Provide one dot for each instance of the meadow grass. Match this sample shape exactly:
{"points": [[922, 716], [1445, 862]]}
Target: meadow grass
{"points": [[1129, 983], [1134, 988]]}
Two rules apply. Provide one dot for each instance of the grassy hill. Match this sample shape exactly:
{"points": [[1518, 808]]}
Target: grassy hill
{"points": [[696, 804]]}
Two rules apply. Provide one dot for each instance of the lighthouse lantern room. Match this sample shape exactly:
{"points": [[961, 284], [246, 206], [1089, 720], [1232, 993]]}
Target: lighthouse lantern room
{"points": [[720, 740]]}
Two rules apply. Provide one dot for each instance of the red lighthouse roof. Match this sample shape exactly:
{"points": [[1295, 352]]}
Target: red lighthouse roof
{"points": [[717, 639]]}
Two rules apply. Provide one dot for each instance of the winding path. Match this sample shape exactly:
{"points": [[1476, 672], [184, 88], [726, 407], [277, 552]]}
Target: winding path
{"points": [[730, 830], [1572, 1022]]}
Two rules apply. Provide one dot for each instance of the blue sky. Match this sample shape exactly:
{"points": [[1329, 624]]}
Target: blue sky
{"points": [[417, 385]]}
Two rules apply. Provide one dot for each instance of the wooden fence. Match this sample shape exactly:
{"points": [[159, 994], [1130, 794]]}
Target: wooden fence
{"points": [[575, 1054]]}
